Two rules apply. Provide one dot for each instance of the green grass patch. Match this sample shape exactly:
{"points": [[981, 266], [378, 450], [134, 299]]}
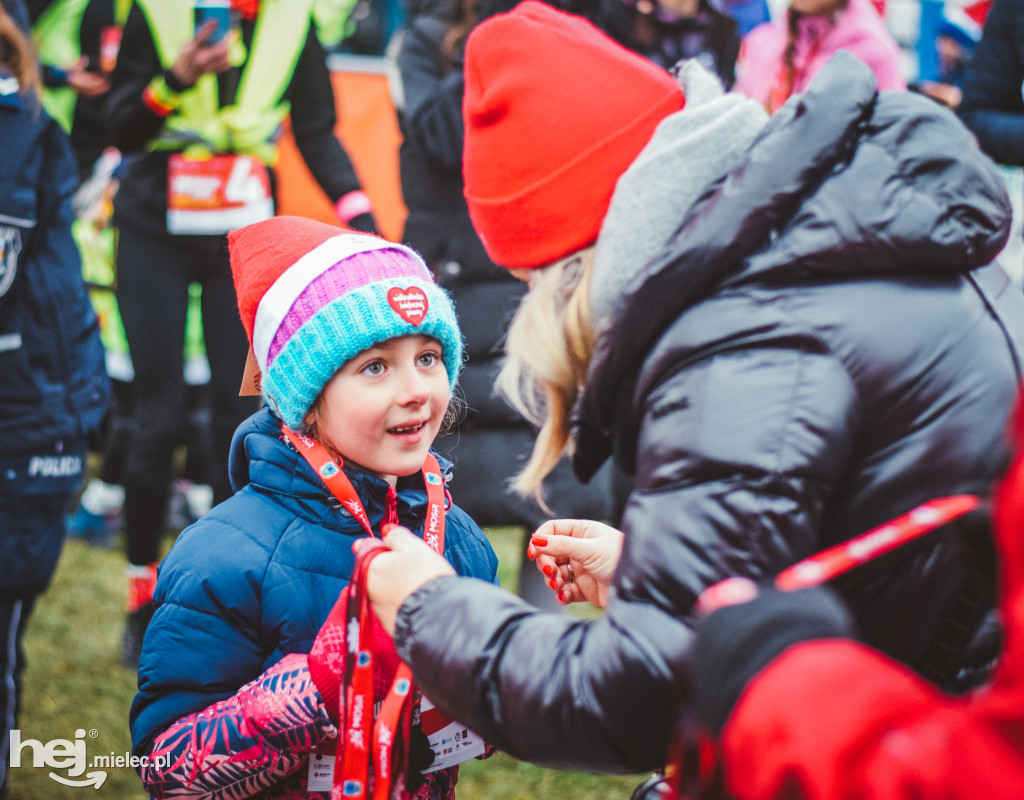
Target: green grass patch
{"points": [[74, 681]]}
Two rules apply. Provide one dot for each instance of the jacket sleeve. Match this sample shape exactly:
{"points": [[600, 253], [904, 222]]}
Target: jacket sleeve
{"points": [[840, 721], [992, 105], [247, 743], [205, 639], [313, 120], [738, 455], [431, 99], [132, 123]]}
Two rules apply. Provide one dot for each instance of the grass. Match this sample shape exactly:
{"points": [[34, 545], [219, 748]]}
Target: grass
{"points": [[74, 682]]}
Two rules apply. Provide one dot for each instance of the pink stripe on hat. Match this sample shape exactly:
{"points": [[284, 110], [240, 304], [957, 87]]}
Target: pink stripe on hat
{"points": [[348, 275]]}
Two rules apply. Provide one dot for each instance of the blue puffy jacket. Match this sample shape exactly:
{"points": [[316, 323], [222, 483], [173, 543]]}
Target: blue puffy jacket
{"points": [[255, 579]]}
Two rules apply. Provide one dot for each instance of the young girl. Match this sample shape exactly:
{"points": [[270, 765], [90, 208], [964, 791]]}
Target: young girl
{"points": [[778, 59], [359, 352]]}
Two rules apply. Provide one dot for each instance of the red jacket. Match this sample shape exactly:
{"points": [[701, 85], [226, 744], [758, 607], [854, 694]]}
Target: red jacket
{"points": [[836, 720]]}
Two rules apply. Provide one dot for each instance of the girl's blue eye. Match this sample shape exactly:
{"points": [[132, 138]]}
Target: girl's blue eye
{"points": [[374, 368], [429, 359]]}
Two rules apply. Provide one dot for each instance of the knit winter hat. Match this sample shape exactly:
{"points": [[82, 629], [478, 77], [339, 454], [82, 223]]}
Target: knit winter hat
{"points": [[312, 296], [554, 112]]}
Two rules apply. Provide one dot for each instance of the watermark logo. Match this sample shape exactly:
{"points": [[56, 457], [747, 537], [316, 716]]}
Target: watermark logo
{"points": [[70, 755], [58, 754]]}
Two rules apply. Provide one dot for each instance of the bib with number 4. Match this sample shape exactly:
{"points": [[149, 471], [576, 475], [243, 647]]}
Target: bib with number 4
{"points": [[216, 194]]}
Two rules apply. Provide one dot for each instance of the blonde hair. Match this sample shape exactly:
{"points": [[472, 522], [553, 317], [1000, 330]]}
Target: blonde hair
{"points": [[18, 55], [547, 353]]}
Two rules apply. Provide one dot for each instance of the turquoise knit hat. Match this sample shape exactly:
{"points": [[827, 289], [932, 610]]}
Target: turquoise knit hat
{"points": [[312, 297]]}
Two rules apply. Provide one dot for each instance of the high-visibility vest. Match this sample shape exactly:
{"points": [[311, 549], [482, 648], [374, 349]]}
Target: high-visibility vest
{"points": [[56, 36], [249, 124], [333, 20]]}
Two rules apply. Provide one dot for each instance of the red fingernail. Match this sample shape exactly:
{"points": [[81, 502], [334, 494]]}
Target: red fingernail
{"points": [[385, 529], [549, 570], [531, 553], [540, 541], [561, 597], [553, 584]]}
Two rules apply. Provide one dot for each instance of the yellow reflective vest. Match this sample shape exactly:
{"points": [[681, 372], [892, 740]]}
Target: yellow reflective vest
{"points": [[249, 124]]}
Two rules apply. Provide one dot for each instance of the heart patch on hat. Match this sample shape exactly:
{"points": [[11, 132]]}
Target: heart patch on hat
{"points": [[410, 304]]}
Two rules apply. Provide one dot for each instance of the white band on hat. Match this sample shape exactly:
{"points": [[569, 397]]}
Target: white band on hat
{"points": [[283, 292]]}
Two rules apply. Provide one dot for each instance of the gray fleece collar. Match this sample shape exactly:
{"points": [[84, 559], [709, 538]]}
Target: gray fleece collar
{"points": [[689, 150]]}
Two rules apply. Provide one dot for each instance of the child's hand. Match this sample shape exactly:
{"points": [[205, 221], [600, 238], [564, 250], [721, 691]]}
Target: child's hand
{"points": [[578, 557], [394, 576]]}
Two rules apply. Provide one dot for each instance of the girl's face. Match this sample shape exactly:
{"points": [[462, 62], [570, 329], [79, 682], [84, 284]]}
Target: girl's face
{"points": [[383, 408]]}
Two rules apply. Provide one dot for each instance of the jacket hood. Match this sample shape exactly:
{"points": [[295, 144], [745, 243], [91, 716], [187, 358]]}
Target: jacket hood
{"points": [[841, 181]]}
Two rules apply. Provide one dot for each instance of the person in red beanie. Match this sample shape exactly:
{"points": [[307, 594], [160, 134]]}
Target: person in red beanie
{"points": [[787, 329], [840, 720]]}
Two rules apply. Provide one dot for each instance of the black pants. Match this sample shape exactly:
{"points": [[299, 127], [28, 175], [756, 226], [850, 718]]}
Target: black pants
{"points": [[14, 613], [153, 276]]}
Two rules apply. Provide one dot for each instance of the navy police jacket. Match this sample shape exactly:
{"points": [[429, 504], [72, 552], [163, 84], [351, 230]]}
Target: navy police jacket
{"points": [[54, 388], [255, 579], [55, 384]]}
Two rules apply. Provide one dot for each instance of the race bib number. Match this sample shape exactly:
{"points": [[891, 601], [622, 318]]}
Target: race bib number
{"points": [[217, 194]]}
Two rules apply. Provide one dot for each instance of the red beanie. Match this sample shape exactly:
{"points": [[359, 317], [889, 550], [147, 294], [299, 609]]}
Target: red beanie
{"points": [[555, 111]]}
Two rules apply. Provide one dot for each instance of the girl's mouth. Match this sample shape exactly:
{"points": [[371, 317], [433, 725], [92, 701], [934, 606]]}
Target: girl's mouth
{"points": [[407, 429]]}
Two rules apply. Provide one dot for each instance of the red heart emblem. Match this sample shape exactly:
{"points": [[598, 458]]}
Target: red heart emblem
{"points": [[410, 304]]}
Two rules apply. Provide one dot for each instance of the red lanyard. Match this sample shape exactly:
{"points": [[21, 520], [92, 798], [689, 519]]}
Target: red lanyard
{"points": [[335, 479], [828, 564], [385, 737]]}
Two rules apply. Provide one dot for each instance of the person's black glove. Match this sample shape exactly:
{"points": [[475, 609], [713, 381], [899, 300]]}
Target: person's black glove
{"points": [[420, 758], [736, 642]]}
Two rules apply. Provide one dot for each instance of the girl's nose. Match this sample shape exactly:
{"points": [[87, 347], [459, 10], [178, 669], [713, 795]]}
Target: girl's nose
{"points": [[415, 388]]}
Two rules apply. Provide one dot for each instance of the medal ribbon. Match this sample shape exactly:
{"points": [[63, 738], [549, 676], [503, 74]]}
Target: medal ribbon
{"points": [[834, 561], [386, 737]]}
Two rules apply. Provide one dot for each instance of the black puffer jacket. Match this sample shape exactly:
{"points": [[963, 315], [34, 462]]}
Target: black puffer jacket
{"points": [[820, 348]]}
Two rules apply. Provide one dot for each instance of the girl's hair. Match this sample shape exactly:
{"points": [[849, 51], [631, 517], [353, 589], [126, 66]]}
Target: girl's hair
{"points": [[17, 54], [464, 20], [547, 353], [793, 34]]}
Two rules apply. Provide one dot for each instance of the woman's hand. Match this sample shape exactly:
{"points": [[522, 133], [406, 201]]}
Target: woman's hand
{"points": [[394, 576], [578, 557], [199, 56]]}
